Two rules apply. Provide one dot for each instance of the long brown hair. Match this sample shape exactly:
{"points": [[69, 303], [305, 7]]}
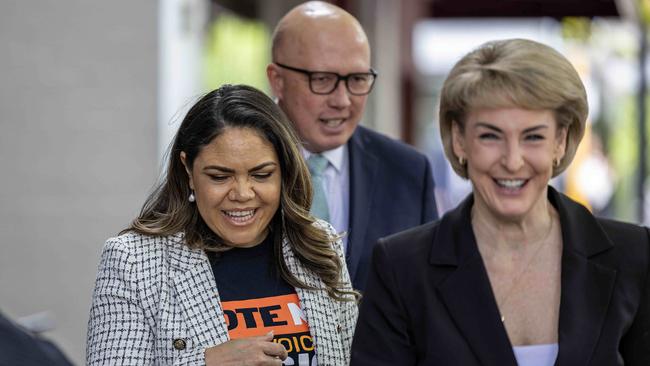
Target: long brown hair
{"points": [[167, 210]]}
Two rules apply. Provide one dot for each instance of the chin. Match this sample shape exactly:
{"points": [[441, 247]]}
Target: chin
{"points": [[512, 213], [333, 144], [241, 242]]}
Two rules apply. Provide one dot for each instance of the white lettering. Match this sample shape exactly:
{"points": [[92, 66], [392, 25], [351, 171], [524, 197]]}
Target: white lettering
{"points": [[296, 313], [303, 359]]}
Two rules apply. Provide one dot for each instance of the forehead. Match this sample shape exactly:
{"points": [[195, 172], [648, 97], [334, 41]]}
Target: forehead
{"points": [[328, 45], [235, 144], [510, 118]]}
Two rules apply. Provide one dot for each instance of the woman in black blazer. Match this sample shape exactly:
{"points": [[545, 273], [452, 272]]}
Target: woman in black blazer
{"points": [[518, 273]]}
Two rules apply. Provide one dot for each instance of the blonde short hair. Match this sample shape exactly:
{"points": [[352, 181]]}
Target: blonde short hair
{"points": [[514, 73]]}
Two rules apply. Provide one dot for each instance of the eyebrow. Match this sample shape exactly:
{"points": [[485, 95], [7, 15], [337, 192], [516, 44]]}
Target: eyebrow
{"points": [[496, 129], [229, 170]]}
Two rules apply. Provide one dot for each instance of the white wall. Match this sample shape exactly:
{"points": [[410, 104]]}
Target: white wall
{"points": [[78, 148], [182, 23]]}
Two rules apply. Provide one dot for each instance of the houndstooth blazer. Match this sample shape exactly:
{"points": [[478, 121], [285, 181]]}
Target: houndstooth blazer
{"points": [[153, 291]]}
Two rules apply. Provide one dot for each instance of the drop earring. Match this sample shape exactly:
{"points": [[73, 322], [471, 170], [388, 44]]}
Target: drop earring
{"points": [[191, 198]]}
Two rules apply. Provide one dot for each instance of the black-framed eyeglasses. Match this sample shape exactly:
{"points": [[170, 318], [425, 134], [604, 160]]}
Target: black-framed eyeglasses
{"points": [[324, 82]]}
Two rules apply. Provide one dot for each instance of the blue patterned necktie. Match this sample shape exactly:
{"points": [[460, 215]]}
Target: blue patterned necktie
{"points": [[317, 164]]}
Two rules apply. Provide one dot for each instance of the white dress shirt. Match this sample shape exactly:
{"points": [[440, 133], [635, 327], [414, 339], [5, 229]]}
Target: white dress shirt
{"points": [[337, 188]]}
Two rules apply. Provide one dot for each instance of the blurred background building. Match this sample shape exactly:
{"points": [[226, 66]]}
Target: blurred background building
{"points": [[92, 93]]}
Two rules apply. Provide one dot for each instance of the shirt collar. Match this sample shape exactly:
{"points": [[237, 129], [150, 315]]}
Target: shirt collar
{"points": [[334, 157]]}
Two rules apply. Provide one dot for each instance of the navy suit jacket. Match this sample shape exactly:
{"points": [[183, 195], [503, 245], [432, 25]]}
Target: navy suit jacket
{"points": [[391, 189], [19, 348], [429, 302]]}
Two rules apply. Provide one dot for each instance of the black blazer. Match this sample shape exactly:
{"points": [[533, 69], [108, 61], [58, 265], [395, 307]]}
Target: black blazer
{"points": [[391, 190], [429, 302]]}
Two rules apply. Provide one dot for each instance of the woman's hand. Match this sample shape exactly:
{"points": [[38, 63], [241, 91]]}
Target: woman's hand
{"points": [[247, 351]]}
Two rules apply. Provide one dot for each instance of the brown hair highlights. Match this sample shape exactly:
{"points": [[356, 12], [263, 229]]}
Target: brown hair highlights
{"points": [[167, 210]]}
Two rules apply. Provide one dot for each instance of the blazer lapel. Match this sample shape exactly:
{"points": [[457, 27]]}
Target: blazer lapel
{"points": [[587, 285], [467, 288], [363, 168], [197, 295], [319, 310]]}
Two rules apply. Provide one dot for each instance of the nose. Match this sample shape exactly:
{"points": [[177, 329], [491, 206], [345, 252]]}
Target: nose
{"points": [[241, 191], [513, 158], [340, 98]]}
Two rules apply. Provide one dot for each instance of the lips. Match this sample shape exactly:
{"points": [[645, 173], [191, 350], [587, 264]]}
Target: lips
{"points": [[511, 183], [239, 216], [332, 122]]}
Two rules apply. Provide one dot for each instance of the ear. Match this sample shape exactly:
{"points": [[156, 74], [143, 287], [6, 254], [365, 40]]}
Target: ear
{"points": [[276, 80], [458, 140], [187, 169], [561, 142]]}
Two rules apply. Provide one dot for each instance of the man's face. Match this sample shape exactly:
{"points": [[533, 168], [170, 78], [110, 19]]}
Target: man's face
{"points": [[324, 122]]}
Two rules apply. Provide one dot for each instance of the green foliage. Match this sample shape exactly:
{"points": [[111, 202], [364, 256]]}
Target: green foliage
{"points": [[578, 28], [236, 52], [624, 153], [644, 10]]}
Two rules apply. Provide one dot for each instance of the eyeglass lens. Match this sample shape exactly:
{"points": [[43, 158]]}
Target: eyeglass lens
{"points": [[326, 82]]}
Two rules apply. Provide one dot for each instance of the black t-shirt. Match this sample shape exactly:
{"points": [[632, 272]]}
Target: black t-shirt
{"points": [[256, 299]]}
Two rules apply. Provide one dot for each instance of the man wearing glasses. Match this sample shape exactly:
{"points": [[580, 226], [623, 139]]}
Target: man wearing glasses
{"points": [[365, 184]]}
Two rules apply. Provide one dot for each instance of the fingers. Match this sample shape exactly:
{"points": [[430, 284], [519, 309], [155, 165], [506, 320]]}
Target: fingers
{"points": [[275, 350], [271, 348], [259, 350], [269, 336]]}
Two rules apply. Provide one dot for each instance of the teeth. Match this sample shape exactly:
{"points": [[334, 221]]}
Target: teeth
{"points": [[240, 215], [333, 122], [511, 183]]}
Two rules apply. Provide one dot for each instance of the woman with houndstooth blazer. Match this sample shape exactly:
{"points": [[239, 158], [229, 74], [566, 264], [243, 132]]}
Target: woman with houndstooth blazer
{"points": [[225, 265]]}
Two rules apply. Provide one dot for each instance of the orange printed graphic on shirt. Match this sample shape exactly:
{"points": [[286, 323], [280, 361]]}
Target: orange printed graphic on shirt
{"points": [[254, 317]]}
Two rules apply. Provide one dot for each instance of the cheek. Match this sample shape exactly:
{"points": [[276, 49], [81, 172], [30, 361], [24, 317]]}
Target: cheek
{"points": [[358, 105], [541, 159], [483, 158], [544, 166], [273, 194], [208, 199], [302, 99], [208, 207], [269, 193], [305, 110], [209, 194]]}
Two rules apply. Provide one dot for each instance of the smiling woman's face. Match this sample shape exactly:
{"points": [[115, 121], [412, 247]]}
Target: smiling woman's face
{"points": [[510, 154], [237, 181]]}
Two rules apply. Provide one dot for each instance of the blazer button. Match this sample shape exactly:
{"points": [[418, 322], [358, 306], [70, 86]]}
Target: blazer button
{"points": [[338, 328], [179, 344]]}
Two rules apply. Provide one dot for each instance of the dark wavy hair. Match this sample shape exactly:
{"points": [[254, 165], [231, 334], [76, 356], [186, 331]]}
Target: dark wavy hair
{"points": [[167, 210]]}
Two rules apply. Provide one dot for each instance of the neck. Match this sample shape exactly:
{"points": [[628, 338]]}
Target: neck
{"points": [[507, 235]]}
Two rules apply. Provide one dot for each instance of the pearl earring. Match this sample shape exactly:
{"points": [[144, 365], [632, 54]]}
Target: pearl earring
{"points": [[191, 198]]}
